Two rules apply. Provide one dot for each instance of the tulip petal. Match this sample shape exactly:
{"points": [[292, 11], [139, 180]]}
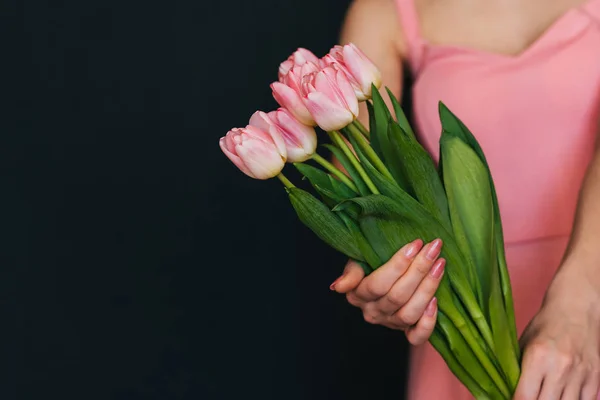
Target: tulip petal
{"points": [[328, 115], [362, 68], [325, 82], [287, 133], [309, 68], [293, 79], [329, 60], [290, 128], [307, 84], [262, 160], [347, 92], [337, 52], [271, 135], [290, 99], [237, 161], [228, 140], [297, 154], [284, 68], [260, 120], [255, 133], [301, 140], [277, 137], [302, 56]]}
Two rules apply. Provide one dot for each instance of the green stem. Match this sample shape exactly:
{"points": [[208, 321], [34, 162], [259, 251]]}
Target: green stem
{"points": [[336, 137], [446, 305], [458, 356], [368, 151], [362, 128], [331, 168], [286, 182], [506, 290]]}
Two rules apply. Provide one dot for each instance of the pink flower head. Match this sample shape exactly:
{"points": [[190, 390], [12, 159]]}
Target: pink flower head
{"points": [[300, 140], [360, 71], [330, 98], [256, 153], [299, 57], [287, 92]]}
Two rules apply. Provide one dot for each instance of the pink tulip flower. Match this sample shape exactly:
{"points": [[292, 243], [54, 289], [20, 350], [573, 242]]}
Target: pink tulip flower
{"points": [[299, 57], [287, 92], [360, 71], [330, 98], [300, 140], [258, 154]]}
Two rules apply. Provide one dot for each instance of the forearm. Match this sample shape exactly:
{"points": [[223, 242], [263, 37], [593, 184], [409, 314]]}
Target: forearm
{"points": [[581, 262]]}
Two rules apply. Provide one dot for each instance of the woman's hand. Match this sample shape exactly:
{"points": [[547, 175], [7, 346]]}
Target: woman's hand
{"points": [[561, 357], [400, 293]]}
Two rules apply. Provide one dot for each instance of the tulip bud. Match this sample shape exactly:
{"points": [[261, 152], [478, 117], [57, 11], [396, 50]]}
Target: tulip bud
{"points": [[357, 67], [329, 97], [287, 92], [258, 154], [298, 58], [300, 140]]}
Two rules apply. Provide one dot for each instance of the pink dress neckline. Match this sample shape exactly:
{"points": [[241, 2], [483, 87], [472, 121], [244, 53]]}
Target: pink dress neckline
{"points": [[563, 29]]}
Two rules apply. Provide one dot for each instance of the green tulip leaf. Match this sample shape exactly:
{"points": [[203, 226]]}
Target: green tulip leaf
{"points": [[400, 116], [421, 172], [381, 142], [324, 223], [452, 125], [325, 183]]}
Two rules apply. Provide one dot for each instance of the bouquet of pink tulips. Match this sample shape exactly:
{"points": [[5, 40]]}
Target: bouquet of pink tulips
{"points": [[390, 193]]}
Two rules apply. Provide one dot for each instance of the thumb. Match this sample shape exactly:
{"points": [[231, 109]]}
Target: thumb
{"points": [[353, 274]]}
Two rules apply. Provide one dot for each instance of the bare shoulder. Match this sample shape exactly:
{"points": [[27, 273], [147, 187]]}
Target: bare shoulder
{"points": [[374, 26]]}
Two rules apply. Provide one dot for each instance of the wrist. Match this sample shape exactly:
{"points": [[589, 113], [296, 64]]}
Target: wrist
{"points": [[575, 287], [581, 261]]}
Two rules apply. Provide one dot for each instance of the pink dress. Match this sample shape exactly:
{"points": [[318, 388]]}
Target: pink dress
{"points": [[535, 115]]}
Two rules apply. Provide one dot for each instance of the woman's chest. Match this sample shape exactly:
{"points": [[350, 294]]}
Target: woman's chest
{"points": [[551, 89], [502, 27]]}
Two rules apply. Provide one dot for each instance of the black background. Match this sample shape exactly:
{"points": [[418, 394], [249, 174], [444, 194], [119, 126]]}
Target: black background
{"points": [[138, 263]]}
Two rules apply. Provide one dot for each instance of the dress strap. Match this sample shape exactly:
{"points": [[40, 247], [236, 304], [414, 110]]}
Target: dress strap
{"points": [[411, 27]]}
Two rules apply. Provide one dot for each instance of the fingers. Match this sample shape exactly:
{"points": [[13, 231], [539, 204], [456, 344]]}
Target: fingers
{"points": [[532, 374], [412, 311], [573, 379], [564, 370], [551, 389], [400, 293], [574, 387], [551, 374], [383, 278], [420, 333], [591, 386], [404, 288], [352, 276]]}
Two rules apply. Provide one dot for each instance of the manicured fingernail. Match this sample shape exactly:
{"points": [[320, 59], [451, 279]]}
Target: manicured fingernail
{"points": [[438, 268], [434, 249], [332, 286], [431, 308], [411, 249]]}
